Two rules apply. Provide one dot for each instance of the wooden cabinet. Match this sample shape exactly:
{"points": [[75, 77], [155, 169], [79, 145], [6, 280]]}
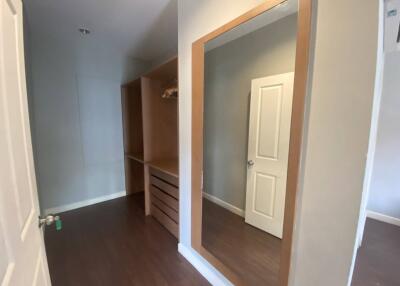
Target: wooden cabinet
{"points": [[164, 197], [150, 120]]}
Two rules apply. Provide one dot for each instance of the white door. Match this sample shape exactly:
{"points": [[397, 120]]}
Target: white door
{"points": [[22, 256], [268, 150]]}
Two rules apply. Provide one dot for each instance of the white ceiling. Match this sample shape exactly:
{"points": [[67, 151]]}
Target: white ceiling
{"points": [[142, 29], [285, 9]]}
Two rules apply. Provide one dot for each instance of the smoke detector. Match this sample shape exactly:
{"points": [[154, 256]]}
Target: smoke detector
{"points": [[84, 31]]}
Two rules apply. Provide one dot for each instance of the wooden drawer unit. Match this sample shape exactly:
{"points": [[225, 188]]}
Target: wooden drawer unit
{"points": [[164, 198]]}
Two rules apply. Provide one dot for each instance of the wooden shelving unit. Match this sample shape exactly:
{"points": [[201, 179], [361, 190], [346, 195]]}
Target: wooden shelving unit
{"points": [[151, 141], [168, 166], [136, 156], [132, 117]]}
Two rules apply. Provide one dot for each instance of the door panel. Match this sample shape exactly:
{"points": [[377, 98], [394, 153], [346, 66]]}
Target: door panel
{"points": [[22, 256], [265, 188], [15, 120], [268, 121], [268, 149]]}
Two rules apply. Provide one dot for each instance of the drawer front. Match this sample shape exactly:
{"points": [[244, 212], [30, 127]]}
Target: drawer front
{"points": [[165, 220], [173, 214], [165, 177], [165, 198], [164, 186]]}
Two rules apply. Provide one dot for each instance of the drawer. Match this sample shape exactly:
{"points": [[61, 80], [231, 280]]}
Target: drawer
{"points": [[164, 186], [165, 198], [165, 220], [165, 177], [173, 214]]}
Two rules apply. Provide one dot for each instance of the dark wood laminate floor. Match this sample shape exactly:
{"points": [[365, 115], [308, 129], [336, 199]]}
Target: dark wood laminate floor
{"points": [[251, 253], [113, 243], [378, 259]]}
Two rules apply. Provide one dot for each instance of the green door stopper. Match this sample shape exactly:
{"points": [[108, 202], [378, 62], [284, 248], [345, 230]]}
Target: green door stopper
{"points": [[58, 224]]}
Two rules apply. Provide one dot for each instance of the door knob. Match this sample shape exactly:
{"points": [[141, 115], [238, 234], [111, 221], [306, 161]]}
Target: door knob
{"points": [[250, 163], [49, 220]]}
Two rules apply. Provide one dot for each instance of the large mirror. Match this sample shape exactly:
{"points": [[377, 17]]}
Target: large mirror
{"points": [[248, 80]]}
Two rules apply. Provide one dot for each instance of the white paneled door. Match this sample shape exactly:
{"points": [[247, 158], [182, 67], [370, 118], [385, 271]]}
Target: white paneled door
{"points": [[22, 255], [268, 151]]}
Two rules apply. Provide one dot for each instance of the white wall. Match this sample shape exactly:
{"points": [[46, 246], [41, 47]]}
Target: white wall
{"points": [[384, 196], [229, 70], [76, 120], [337, 125], [339, 119]]}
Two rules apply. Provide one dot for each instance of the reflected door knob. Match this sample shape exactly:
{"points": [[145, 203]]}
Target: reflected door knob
{"points": [[49, 220], [250, 163]]}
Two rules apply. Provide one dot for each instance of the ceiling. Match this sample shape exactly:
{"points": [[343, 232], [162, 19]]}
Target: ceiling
{"points": [[278, 12], [144, 30]]}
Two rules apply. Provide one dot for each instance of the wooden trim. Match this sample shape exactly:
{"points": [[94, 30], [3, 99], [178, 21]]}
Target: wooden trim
{"points": [[296, 134], [267, 5], [295, 145], [197, 141]]}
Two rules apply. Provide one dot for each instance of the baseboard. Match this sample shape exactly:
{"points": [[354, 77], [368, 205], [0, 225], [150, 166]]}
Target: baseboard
{"points": [[224, 204], [383, 218], [203, 266], [85, 203]]}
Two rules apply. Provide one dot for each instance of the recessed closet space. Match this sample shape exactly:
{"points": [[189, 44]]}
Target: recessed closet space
{"points": [[150, 118], [102, 90], [133, 136]]}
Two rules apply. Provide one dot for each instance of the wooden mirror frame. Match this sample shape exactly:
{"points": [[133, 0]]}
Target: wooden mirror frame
{"points": [[296, 132]]}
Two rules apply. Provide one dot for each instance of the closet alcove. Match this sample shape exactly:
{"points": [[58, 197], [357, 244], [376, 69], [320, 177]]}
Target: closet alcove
{"points": [[150, 125]]}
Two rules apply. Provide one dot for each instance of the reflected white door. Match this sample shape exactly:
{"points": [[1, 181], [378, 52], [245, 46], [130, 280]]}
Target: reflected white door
{"points": [[268, 150], [22, 255]]}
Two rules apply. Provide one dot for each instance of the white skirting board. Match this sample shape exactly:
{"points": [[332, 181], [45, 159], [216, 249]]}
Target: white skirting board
{"points": [[203, 266], [383, 218], [224, 204], [85, 203]]}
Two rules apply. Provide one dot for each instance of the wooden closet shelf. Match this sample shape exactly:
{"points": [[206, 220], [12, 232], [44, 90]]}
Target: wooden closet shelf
{"points": [[136, 156], [168, 166]]}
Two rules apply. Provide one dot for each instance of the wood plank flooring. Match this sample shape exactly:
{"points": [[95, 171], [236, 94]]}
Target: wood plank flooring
{"points": [[378, 259], [251, 253], [113, 243]]}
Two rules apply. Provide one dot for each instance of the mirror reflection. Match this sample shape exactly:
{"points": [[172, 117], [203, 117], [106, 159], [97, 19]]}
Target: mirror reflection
{"points": [[249, 73]]}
